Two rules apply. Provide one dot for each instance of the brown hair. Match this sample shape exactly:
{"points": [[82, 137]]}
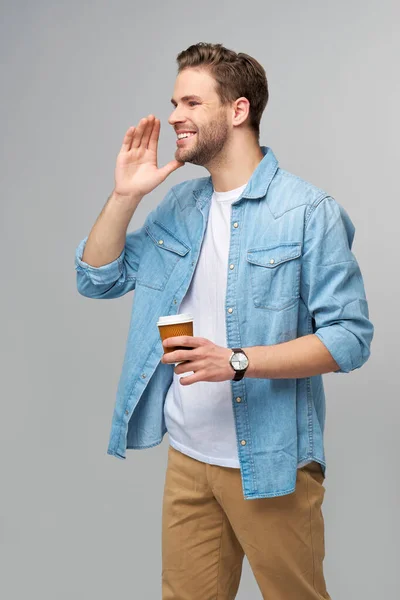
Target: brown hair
{"points": [[236, 75]]}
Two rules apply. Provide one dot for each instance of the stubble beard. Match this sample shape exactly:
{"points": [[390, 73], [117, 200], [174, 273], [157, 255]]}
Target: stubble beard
{"points": [[209, 143]]}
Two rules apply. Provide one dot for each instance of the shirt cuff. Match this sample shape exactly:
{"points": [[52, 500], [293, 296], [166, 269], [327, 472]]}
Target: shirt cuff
{"points": [[343, 346], [105, 274]]}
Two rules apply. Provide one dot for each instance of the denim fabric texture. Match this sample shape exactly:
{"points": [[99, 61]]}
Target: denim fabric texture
{"points": [[295, 275]]}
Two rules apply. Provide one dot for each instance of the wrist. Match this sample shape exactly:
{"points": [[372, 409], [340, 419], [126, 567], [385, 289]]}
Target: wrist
{"points": [[251, 369], [125, 200]]}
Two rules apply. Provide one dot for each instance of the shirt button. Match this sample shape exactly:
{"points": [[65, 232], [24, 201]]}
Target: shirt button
{"points": [[231, 266], [243, 442], [175, 300], [238, 399], [230, 310], [235, 224], [272, 261], [144, 375], [127, 412], [160, 241]]}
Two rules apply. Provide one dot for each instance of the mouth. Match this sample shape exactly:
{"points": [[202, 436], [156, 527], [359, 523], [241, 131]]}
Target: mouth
{"points": [[185, 140]]}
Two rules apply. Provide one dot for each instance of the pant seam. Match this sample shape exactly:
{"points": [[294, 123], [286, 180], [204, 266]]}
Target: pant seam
{"points": [[311, 537], [219, 557]]}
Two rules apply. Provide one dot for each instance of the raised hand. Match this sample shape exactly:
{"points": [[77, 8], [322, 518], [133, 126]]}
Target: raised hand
{"points": [[136, 171]]}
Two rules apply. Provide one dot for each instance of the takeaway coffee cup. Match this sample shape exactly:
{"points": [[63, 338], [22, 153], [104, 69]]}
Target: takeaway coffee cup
{"points": [[173, 325]]}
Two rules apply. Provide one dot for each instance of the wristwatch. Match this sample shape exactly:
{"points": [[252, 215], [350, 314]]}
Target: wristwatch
{"points": [[239, 362]]}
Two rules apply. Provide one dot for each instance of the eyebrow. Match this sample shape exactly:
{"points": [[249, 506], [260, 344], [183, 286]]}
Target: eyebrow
{"points": [[185, 98]]}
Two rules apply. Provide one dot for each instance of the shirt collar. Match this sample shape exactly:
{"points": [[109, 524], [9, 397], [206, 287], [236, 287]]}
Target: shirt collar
{"points": [[257, 185]]}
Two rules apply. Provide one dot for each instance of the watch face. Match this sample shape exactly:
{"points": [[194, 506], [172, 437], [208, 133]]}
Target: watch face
{"points": [[239, 361]]}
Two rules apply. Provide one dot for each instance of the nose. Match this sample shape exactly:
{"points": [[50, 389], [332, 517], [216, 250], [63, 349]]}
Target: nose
{"points": [[175, 117]]}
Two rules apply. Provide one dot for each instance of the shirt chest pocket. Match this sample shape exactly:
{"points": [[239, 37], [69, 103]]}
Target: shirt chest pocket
{"points": [[275, 275], [161, 253]]}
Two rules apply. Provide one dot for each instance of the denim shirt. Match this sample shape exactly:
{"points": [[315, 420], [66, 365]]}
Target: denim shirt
{"points": [[295, 274]]}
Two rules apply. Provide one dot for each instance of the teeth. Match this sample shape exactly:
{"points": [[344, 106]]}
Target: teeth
{"points": [[183, 135]]}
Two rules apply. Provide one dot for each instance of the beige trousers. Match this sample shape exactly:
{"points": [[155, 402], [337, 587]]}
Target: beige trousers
{"points": [[208, 527]]}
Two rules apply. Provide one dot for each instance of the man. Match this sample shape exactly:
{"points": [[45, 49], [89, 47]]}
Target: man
{"points": [[262, 260]]}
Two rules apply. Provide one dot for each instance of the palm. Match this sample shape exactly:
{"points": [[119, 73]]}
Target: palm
{"points": [[136, 168]]}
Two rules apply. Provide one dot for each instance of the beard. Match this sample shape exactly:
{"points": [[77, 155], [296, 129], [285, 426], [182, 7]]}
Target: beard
{"points": [[207, 144]]}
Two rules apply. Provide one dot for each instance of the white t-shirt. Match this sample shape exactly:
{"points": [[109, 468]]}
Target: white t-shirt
{"points": [[199, 417]]}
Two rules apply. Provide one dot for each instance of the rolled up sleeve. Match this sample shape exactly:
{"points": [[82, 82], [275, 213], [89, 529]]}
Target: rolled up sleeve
{"points": [[105, 274], [113, 279], [332, 286]]}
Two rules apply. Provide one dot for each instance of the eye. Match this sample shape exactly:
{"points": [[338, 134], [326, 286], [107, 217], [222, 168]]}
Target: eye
{"points": [[193, 102]]}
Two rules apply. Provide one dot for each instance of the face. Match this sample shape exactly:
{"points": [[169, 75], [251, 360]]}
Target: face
{"points": [[202, 114]]}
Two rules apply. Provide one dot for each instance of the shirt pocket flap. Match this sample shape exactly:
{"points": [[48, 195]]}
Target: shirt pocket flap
{"points": [[275, 254], [165, 239]]}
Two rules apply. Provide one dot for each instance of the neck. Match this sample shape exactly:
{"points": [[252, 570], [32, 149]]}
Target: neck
{"points": [[234, 166]]}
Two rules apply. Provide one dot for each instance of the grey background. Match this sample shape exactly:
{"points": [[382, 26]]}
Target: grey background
{"points": [[74, 521]]}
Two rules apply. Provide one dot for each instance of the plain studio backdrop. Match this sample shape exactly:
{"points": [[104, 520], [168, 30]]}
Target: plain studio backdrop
{"points": [[74, 521]]}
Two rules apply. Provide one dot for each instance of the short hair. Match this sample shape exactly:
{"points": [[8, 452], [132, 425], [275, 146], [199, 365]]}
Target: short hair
{"points": [[235, 74]]}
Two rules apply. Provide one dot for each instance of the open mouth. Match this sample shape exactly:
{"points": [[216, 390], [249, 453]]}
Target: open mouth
{"points": [[182, 141]]}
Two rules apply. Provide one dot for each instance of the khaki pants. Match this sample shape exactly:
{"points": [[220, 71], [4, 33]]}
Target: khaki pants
{"points": [[208, 527]]}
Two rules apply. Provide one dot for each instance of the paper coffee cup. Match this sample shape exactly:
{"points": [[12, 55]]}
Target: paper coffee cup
{"points": [[173, 325]]}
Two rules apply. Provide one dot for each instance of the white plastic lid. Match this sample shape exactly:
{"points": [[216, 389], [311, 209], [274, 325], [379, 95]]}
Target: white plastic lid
{"points": [[172, 319]]}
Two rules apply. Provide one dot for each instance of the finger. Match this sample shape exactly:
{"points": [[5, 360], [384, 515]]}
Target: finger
{"points": [[127, 141], [188, 365], [177, 356], [170, 167], [147, 131], [183, 340], [137, 137], [189, 379], [155, 134], [183, 367], [169, 358]]}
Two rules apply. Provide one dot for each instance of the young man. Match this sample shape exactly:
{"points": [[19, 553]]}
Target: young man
{"points": [[262, 260]]}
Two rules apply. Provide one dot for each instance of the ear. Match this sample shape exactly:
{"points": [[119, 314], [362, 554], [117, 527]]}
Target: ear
{"points": [[241, 111]]}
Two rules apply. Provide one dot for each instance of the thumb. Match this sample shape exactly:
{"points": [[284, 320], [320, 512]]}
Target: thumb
{"points": [[170, 167]]}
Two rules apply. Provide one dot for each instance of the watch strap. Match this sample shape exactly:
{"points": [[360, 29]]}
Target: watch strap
{"points": [[239, 374]]}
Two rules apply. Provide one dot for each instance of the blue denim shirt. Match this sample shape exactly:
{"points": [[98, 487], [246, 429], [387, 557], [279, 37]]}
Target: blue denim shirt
{"points": [[295, 275]]}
